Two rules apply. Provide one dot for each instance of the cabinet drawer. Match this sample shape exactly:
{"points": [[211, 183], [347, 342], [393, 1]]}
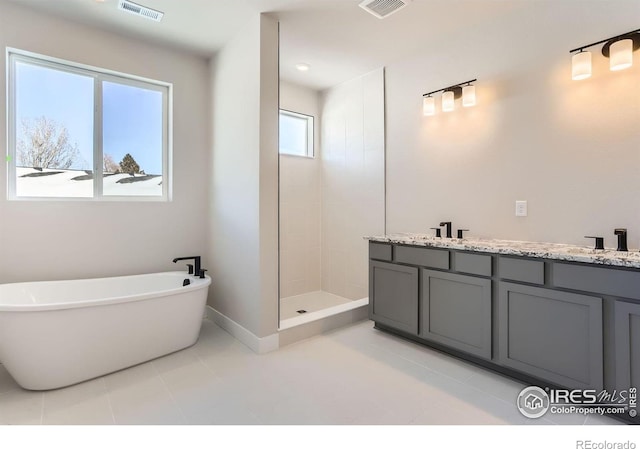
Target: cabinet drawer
{"points": [[522, 270], [606, 281], [473, 263], [380, 251], [425, 257]]}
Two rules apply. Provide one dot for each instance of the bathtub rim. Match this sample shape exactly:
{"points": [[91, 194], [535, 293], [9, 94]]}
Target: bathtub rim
{"points": [[197, 284]]}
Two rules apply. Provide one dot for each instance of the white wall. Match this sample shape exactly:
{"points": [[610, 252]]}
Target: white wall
{"points": [[300, 202], [570, 148], [61, 240], [243, 178], [352, 181]]}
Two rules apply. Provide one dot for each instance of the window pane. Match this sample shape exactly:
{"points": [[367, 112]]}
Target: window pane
{"points": [[54, 132], [132, 140], [294, 134]]}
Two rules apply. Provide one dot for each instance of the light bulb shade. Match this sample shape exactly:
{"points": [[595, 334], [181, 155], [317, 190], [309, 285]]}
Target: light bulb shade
{"points": [[447, 101], [581, 65], [429, 105], [468, 96], [621, 54]]}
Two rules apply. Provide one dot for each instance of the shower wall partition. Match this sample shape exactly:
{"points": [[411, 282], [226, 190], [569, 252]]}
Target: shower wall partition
{"points": [[329, 202]]}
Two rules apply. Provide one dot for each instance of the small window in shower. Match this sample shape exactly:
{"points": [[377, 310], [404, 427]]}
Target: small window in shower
{"points": [[296, 134]]}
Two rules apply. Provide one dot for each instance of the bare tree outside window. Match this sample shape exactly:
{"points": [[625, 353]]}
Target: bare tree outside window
{"points": [[44, 143], [109, 164]]}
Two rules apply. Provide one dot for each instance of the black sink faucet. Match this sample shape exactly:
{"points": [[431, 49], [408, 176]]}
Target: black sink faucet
{"points": [[622, 239], [196, 261], [448, 225], [599, 241]]}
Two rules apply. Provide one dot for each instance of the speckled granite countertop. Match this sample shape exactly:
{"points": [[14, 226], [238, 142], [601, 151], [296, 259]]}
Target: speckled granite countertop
{"points": [[556, 251]]}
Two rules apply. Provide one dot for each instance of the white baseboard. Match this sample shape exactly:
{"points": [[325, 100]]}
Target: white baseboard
{"points": [[255, 343]]}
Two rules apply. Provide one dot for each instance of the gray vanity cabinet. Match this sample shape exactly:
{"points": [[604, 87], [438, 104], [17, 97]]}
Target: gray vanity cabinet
{"points": [[455, 310], [627, 341], [393, 295], [545, 321], [552, 335]]}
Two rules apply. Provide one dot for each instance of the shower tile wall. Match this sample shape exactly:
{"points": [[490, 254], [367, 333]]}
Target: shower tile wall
{"points": [[352, 181], [300, 203], [328, 203]]}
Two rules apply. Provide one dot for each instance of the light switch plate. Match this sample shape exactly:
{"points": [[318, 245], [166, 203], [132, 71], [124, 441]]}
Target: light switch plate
{"points": [[521, 208]]}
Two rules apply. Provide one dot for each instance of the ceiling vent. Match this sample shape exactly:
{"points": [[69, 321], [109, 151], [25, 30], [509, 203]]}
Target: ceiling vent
{"points": [[383, 8], [139, 10]]}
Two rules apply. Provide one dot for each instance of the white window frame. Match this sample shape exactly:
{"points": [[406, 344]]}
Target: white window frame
{"points": [[310, 135], [99, 75]]}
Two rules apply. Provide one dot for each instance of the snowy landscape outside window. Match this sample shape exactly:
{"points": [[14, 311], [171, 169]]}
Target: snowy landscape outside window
{"points": [[296, 134], [82, 132]]}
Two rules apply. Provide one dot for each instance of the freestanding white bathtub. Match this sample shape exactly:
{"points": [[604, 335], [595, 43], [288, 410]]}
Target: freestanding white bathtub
{"points": [[58, 333]]}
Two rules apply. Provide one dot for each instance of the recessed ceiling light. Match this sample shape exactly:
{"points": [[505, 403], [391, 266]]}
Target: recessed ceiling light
{"points": [[303, 67]]}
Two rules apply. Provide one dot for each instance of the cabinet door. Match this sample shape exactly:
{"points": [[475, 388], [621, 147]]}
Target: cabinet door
{"points": [[552, 335], [627, 325], [393, 295], [456, 311]]}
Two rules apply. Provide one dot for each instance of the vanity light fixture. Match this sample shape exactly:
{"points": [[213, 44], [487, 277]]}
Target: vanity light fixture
{"points": [[619, 49], [468, 96], [448, 101], [621, 55], [429, 105], [581, 65], [449, 94]]}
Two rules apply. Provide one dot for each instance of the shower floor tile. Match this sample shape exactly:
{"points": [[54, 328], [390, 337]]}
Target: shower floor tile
{"points": [[311, 302]]}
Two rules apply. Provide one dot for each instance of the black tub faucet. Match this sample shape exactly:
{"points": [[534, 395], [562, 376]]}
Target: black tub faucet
{"points": [[622, 239], [448, 225], [196, 260]]}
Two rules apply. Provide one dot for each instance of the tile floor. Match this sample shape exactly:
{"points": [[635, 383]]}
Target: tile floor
{"points": [[355, 375]]}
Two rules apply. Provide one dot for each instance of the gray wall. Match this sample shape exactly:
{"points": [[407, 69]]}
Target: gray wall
{"points": [[244, 183], [570, 148], [41, 240]]}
